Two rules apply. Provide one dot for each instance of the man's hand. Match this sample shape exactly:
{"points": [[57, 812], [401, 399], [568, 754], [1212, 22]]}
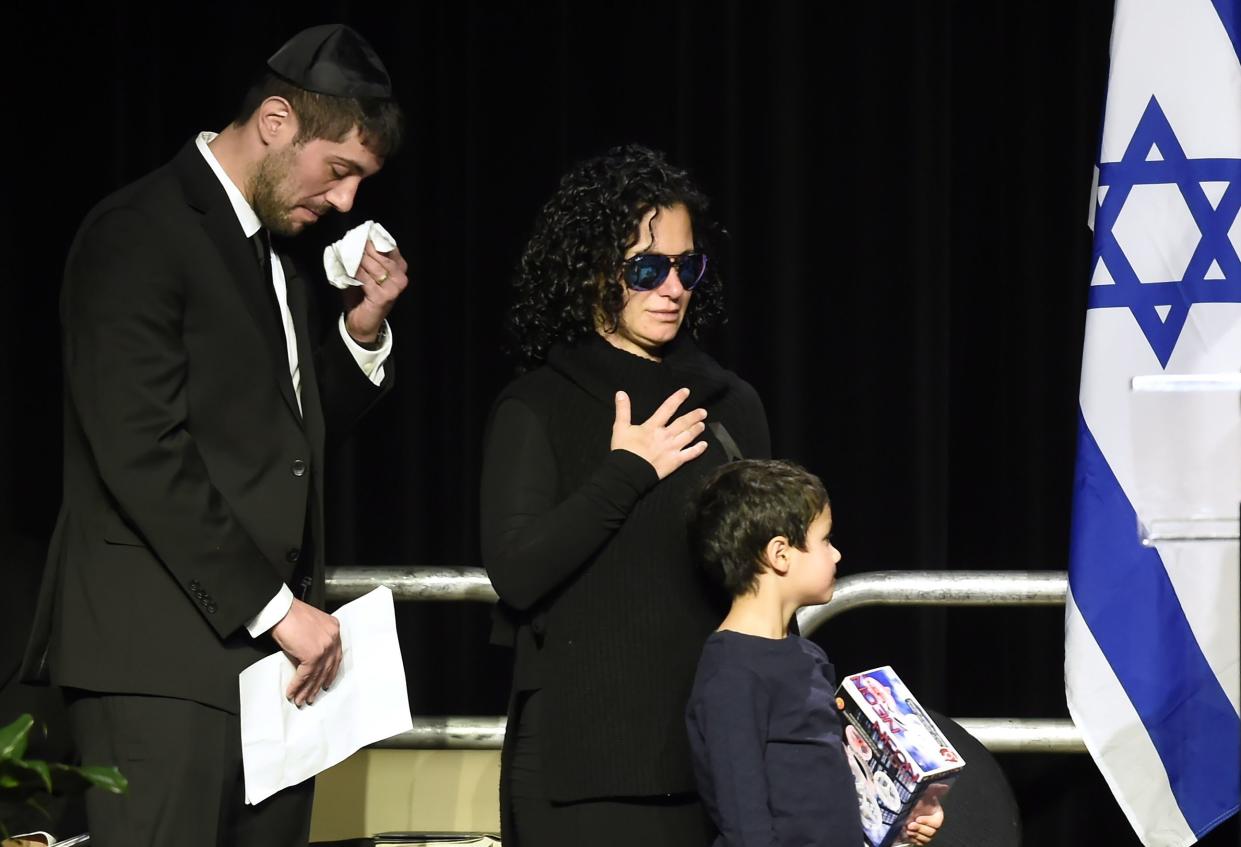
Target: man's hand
{"points": [[311, 640], [383, 277]]}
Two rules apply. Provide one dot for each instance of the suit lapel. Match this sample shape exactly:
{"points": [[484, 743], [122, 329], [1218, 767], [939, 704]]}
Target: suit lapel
{"points": [[204, 192]]}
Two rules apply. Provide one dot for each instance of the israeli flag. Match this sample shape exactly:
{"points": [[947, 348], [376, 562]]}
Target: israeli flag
{"points": [[1151, 629]]}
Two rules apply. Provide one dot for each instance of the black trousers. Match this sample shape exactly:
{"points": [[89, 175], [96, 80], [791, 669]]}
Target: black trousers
{"points": [[674, 820], [186, 787]]}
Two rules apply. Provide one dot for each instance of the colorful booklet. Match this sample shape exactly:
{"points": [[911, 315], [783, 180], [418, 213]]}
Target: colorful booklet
{"points": [[901, 762]]}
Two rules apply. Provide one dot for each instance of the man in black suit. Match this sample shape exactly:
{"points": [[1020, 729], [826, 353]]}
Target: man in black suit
{"points": [[197, 405]]}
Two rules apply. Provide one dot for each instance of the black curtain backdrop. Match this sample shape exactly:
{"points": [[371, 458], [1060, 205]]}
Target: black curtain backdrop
{"points": [[906, 188]]}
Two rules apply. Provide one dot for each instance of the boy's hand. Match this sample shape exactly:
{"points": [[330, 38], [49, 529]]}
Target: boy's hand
{"points": [[661, 443], [922, 829]]}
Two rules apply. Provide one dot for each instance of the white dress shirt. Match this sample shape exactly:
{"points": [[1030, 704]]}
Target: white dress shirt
{"points": [[370, 361]]}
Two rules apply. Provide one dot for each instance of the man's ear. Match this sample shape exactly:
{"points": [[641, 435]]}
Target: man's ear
{"points": [[276, 122], [777, 555]]}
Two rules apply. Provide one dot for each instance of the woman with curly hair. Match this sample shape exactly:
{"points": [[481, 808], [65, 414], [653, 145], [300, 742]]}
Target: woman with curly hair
{"points": [[591, 458]]}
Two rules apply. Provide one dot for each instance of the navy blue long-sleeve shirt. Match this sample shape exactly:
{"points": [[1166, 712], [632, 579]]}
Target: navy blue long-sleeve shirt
{"points": [[767, 744]]}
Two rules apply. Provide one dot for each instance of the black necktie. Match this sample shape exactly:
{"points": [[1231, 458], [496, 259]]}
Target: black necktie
{"points": [[262, 253]]}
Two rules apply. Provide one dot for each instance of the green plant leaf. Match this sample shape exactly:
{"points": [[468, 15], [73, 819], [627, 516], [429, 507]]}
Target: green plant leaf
{"points": [[41, 768], [13, 738], [38, 807], [108, 778]]}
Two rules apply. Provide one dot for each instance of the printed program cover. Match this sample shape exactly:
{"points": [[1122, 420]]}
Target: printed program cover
{"points": [[901, 762]]}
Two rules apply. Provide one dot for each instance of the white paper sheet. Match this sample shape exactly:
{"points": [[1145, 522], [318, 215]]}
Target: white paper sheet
{"points": [[282, 745]]}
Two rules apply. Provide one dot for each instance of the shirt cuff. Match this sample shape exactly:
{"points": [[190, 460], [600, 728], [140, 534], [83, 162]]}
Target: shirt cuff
{"points": [[272, 614], [370, 361]]}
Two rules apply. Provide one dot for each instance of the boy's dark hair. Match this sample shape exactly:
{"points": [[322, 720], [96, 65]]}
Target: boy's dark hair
{"points": [[741, 507], [379, 122]]}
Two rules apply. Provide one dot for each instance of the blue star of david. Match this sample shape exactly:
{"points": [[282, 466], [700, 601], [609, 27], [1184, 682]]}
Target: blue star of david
{"points": [[1186, 174]]}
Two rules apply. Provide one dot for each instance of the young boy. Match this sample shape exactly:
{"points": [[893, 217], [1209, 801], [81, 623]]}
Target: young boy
{"points": [[763, 727]]}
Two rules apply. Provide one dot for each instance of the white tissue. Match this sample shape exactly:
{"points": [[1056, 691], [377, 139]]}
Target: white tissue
{"points": [[341, 259]]}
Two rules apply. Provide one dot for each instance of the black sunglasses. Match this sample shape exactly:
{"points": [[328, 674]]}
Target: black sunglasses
{"points": [[649, 270]]}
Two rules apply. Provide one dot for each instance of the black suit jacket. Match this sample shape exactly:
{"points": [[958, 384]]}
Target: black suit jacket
{"points": [[189, 473]]}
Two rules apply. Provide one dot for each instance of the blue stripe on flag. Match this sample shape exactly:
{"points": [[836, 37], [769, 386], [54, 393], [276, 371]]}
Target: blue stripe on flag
{"points": [[1229, 12], [1127, 600]]}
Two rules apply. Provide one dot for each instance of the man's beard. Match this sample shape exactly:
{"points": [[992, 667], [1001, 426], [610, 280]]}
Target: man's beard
{"points": [[271, 203]]}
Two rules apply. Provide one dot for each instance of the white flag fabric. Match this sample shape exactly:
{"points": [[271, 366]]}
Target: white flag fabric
{"points": [[1152, 631]]}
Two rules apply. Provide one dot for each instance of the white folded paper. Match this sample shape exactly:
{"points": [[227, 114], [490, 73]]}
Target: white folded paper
{"points": [[341, 258], [282, 745]]}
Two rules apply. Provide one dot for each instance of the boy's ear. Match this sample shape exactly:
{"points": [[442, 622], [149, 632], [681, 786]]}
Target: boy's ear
{"points": [[777, 554]]}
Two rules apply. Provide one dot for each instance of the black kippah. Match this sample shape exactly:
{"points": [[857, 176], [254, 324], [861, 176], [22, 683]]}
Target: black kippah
{"points": [[332, 59]]}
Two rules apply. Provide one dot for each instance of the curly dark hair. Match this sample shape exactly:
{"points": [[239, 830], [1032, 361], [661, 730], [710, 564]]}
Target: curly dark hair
{"points": [[571, 266]]}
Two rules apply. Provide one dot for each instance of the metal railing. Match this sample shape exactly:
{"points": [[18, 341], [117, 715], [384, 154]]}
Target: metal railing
{"points": [[907, 588], [344, 584]]}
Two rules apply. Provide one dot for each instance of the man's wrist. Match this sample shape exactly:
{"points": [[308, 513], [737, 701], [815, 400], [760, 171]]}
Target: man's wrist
{"points": [[271, 614], [371, 357], [373, 342]]}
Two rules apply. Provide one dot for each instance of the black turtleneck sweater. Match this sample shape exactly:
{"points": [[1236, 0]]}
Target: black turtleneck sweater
{"points": [[587, 549]]}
